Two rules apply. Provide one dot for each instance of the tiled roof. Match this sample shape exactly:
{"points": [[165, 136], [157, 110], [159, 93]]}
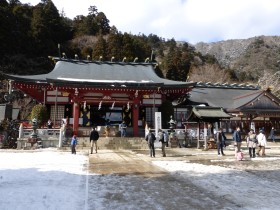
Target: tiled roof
{"points": [[100, 73]]}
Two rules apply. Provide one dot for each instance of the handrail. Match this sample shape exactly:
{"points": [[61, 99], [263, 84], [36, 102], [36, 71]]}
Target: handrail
{"points": [[42, 133]]}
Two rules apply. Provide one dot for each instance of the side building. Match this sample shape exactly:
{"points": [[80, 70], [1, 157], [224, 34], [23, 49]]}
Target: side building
{"points": [[248, 106]]}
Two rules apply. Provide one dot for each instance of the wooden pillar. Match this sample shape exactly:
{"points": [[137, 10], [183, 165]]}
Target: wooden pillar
{"points": [[198, 132], [205, 136], [76, 115], [135, 117]]}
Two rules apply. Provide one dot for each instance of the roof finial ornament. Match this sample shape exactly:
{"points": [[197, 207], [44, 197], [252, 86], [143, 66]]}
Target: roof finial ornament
{"points": [[135, 59], [147, 60], [64, 55], [112, 59]]}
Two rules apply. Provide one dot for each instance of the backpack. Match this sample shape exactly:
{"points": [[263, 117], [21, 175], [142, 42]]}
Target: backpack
{"points": [[160, 136], [165, 137], [151, 138]]}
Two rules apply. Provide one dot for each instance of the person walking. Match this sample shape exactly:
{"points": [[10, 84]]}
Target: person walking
{"points": [[252, 143], [123, 129], [261, 143], [150, 138], [94, 136], [272, 134], [220, 137], [181, 138], [74, 142], [237, 139], [162, 139], [50, 124]]}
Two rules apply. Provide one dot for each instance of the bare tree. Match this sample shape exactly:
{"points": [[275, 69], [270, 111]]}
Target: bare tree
{"points": [[270, 81], [25, 105], [209, 73]]}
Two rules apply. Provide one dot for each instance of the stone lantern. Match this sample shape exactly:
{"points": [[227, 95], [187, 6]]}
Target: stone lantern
{"points": [[172, 137], [33, 137], [172, 124]]}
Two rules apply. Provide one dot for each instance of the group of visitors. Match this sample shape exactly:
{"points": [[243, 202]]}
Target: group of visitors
{"points": [[94, 136], [256, 143], [163, 138], [253, 140]]}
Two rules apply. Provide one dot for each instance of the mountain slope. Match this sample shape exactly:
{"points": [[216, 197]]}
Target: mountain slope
{"points": [[248, 58]]}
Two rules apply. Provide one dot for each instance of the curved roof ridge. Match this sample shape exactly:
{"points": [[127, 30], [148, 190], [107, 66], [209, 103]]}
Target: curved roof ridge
{"points": [[249, 94]]}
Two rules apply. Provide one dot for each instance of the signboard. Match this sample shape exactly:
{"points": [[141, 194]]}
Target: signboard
{"points": [[252, 126], [157, 122]]}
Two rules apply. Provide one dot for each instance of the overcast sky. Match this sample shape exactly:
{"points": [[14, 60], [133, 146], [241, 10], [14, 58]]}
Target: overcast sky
{"points": [[184, 20]]}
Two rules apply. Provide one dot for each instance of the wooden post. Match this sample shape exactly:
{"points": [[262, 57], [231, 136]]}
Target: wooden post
{"points": [[198, 131], [135, 116], [205, 137], [76, 114]]}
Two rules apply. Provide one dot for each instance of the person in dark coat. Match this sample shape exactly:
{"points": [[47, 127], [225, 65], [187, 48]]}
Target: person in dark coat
{"points": [[94, 136], [150, 138], [162, 139], [50, 124], [220, 137], [272, 134], [237, 139]]}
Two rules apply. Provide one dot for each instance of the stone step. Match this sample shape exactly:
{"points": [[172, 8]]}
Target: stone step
{"points": [[112, 143]]}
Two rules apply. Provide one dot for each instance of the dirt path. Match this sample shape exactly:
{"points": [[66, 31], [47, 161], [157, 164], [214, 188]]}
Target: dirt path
{"points": [[133, 182], [122, 163]]}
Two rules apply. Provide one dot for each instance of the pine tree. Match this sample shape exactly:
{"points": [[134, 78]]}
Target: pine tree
{"points": [[114, 44], [100, 48], [127, 47]]}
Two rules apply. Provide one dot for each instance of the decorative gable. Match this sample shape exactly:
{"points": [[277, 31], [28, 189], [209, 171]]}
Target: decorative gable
{"points": [[263, 102]]}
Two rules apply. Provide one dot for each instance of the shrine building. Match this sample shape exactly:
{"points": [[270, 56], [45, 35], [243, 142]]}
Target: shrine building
{"points": [[232, 105], [94, 93]]}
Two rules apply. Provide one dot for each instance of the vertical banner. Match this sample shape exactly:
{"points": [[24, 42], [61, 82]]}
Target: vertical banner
{"points": [[157, 122], [157, 126], [252, 126]]}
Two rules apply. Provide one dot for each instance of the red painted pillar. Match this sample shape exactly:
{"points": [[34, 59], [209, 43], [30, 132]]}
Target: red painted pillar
{"points": [[135, 118], [76, 115]]}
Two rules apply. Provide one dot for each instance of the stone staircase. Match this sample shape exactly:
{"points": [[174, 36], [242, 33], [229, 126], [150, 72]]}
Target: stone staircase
{"points": [[112, 143]]}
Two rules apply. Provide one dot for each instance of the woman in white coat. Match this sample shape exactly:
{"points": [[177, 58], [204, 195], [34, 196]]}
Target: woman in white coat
{"points": [[261, 143], [252, 143]]}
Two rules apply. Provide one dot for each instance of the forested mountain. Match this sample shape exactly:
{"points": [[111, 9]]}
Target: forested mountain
{"points": [[29, 34]]}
